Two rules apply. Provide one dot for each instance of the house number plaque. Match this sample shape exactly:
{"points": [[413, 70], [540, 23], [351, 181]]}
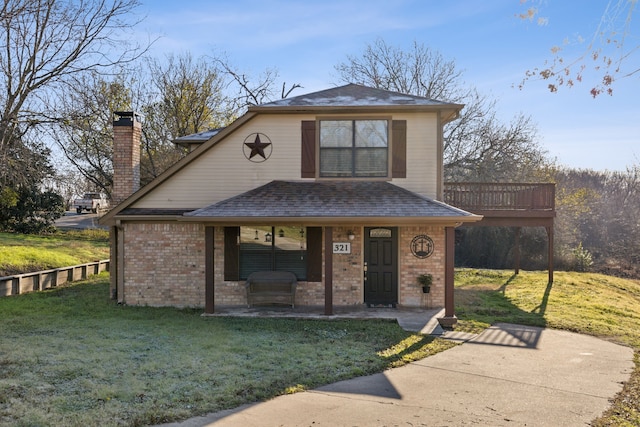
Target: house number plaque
{"points": [[341, 248]]}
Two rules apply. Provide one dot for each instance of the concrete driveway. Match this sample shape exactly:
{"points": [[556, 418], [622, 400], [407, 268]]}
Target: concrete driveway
{"points": [[507, 376], [72, 220]]}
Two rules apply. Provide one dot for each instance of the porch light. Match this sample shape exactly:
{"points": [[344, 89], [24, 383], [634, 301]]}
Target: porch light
{"points": [[351, 235], [281, 233], [267, 237]]}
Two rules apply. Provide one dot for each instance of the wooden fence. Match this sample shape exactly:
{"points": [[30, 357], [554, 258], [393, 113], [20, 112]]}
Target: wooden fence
{"points": [[47, 279]]}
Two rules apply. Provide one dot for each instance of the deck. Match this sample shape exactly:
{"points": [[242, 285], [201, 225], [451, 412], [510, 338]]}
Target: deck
{"points": [[508, 204]]}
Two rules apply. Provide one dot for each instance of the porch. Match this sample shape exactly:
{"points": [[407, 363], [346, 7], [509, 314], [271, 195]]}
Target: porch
{"points": [[423, 321]]}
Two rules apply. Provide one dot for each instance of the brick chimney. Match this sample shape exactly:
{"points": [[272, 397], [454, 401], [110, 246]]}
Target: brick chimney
{"points": [[127, 131]]}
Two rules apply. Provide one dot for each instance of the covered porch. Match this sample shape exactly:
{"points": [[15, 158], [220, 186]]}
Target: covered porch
{"points": [[329, 209]]}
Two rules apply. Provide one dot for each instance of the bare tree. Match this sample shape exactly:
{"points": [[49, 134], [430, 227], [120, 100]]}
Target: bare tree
{"points": [[604, 57], [184, 96], [418, 71], [176, 97], [85, 134], [44, 44], [249, 90], [477, 146]]}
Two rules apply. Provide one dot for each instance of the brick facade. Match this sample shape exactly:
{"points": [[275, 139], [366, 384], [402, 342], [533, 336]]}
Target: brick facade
{"points": [[165, 266], [127, 132], [410, 293]]}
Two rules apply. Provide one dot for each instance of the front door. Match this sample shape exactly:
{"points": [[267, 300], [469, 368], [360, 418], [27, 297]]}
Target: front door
{"points": [[381, 266]]}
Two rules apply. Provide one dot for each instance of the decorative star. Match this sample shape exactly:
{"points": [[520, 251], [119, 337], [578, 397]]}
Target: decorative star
{"points": [[257, 147]]}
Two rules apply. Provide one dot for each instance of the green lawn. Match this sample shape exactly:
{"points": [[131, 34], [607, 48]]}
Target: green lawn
{"points": [[20, 253], [72, 357]]}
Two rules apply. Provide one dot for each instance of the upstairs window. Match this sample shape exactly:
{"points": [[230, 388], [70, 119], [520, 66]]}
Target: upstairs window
{"points": [[354, 148]]}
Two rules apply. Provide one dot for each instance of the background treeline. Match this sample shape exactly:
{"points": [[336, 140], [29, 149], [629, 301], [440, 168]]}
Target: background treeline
{"points": [[56, 127], [597, 228]]}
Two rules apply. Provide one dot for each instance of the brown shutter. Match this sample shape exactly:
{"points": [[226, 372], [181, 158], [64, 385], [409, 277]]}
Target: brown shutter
{"points": [[314, 254], [231, 254], [399, 148], [308, 149]]}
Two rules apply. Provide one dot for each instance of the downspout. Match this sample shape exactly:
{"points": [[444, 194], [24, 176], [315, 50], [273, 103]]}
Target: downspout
{"points": [[113, 264], [440, 157], [119, 274]]}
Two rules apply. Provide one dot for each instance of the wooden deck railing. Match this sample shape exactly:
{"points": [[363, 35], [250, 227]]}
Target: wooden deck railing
{"points": [[490, 196]]}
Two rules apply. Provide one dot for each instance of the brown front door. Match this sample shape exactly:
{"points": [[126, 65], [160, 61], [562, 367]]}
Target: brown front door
{"points": [[381, 266]]}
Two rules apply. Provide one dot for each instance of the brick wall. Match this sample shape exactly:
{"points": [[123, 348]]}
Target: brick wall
{"points": [[126, 157], [164, 264], [410, 293], [348, 272]]}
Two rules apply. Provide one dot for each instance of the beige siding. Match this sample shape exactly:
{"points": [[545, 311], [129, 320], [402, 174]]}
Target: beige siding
{"points": [[224, 171], [422, 154]]}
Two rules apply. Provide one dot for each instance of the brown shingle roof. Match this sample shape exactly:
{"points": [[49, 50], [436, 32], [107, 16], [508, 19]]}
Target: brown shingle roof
{"points": [[331, 199]]}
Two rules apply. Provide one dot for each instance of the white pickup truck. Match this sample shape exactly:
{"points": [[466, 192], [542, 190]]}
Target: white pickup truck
{"points": [[91, 202]]}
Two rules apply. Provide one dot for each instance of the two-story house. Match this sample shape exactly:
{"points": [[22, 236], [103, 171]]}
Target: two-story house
{"points": [[340, 187]]}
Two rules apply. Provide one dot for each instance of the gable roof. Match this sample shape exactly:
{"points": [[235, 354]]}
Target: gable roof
{"points": [[327, 201], [347, 98], [353, 95]]}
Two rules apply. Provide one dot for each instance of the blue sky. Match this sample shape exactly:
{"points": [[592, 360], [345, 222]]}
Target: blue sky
{"points": [[304, 40]]}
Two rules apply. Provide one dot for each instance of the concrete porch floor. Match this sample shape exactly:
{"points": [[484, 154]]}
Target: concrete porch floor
{"points": [[420, 320]]}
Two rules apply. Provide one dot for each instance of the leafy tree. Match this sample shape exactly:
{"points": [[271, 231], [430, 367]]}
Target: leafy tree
{"points": [[176, 97], [34, 212], [85, 134], [24, 207], [477, 146], [185, 96], [605, 56], [597, 213], [23, 166], [46, 45]]}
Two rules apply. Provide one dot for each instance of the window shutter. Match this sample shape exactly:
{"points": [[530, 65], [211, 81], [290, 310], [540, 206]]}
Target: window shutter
{"points": [[314, 254], [308, 149], [231, 254], [399, 148]]}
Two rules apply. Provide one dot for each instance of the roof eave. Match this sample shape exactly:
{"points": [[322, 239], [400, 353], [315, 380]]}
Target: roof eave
{"points": [[335, 109], [453, 221]]}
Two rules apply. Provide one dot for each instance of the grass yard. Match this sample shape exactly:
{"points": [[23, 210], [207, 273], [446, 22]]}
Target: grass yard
{"points": [[20, 253], [72, 357], [593, 304]]}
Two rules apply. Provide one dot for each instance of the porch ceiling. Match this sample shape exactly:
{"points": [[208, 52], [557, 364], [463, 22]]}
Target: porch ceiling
{"points": [[331, 201]]}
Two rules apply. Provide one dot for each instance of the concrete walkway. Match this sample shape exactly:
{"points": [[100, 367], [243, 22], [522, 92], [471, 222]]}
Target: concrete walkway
{"points": [[507, 376]]}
